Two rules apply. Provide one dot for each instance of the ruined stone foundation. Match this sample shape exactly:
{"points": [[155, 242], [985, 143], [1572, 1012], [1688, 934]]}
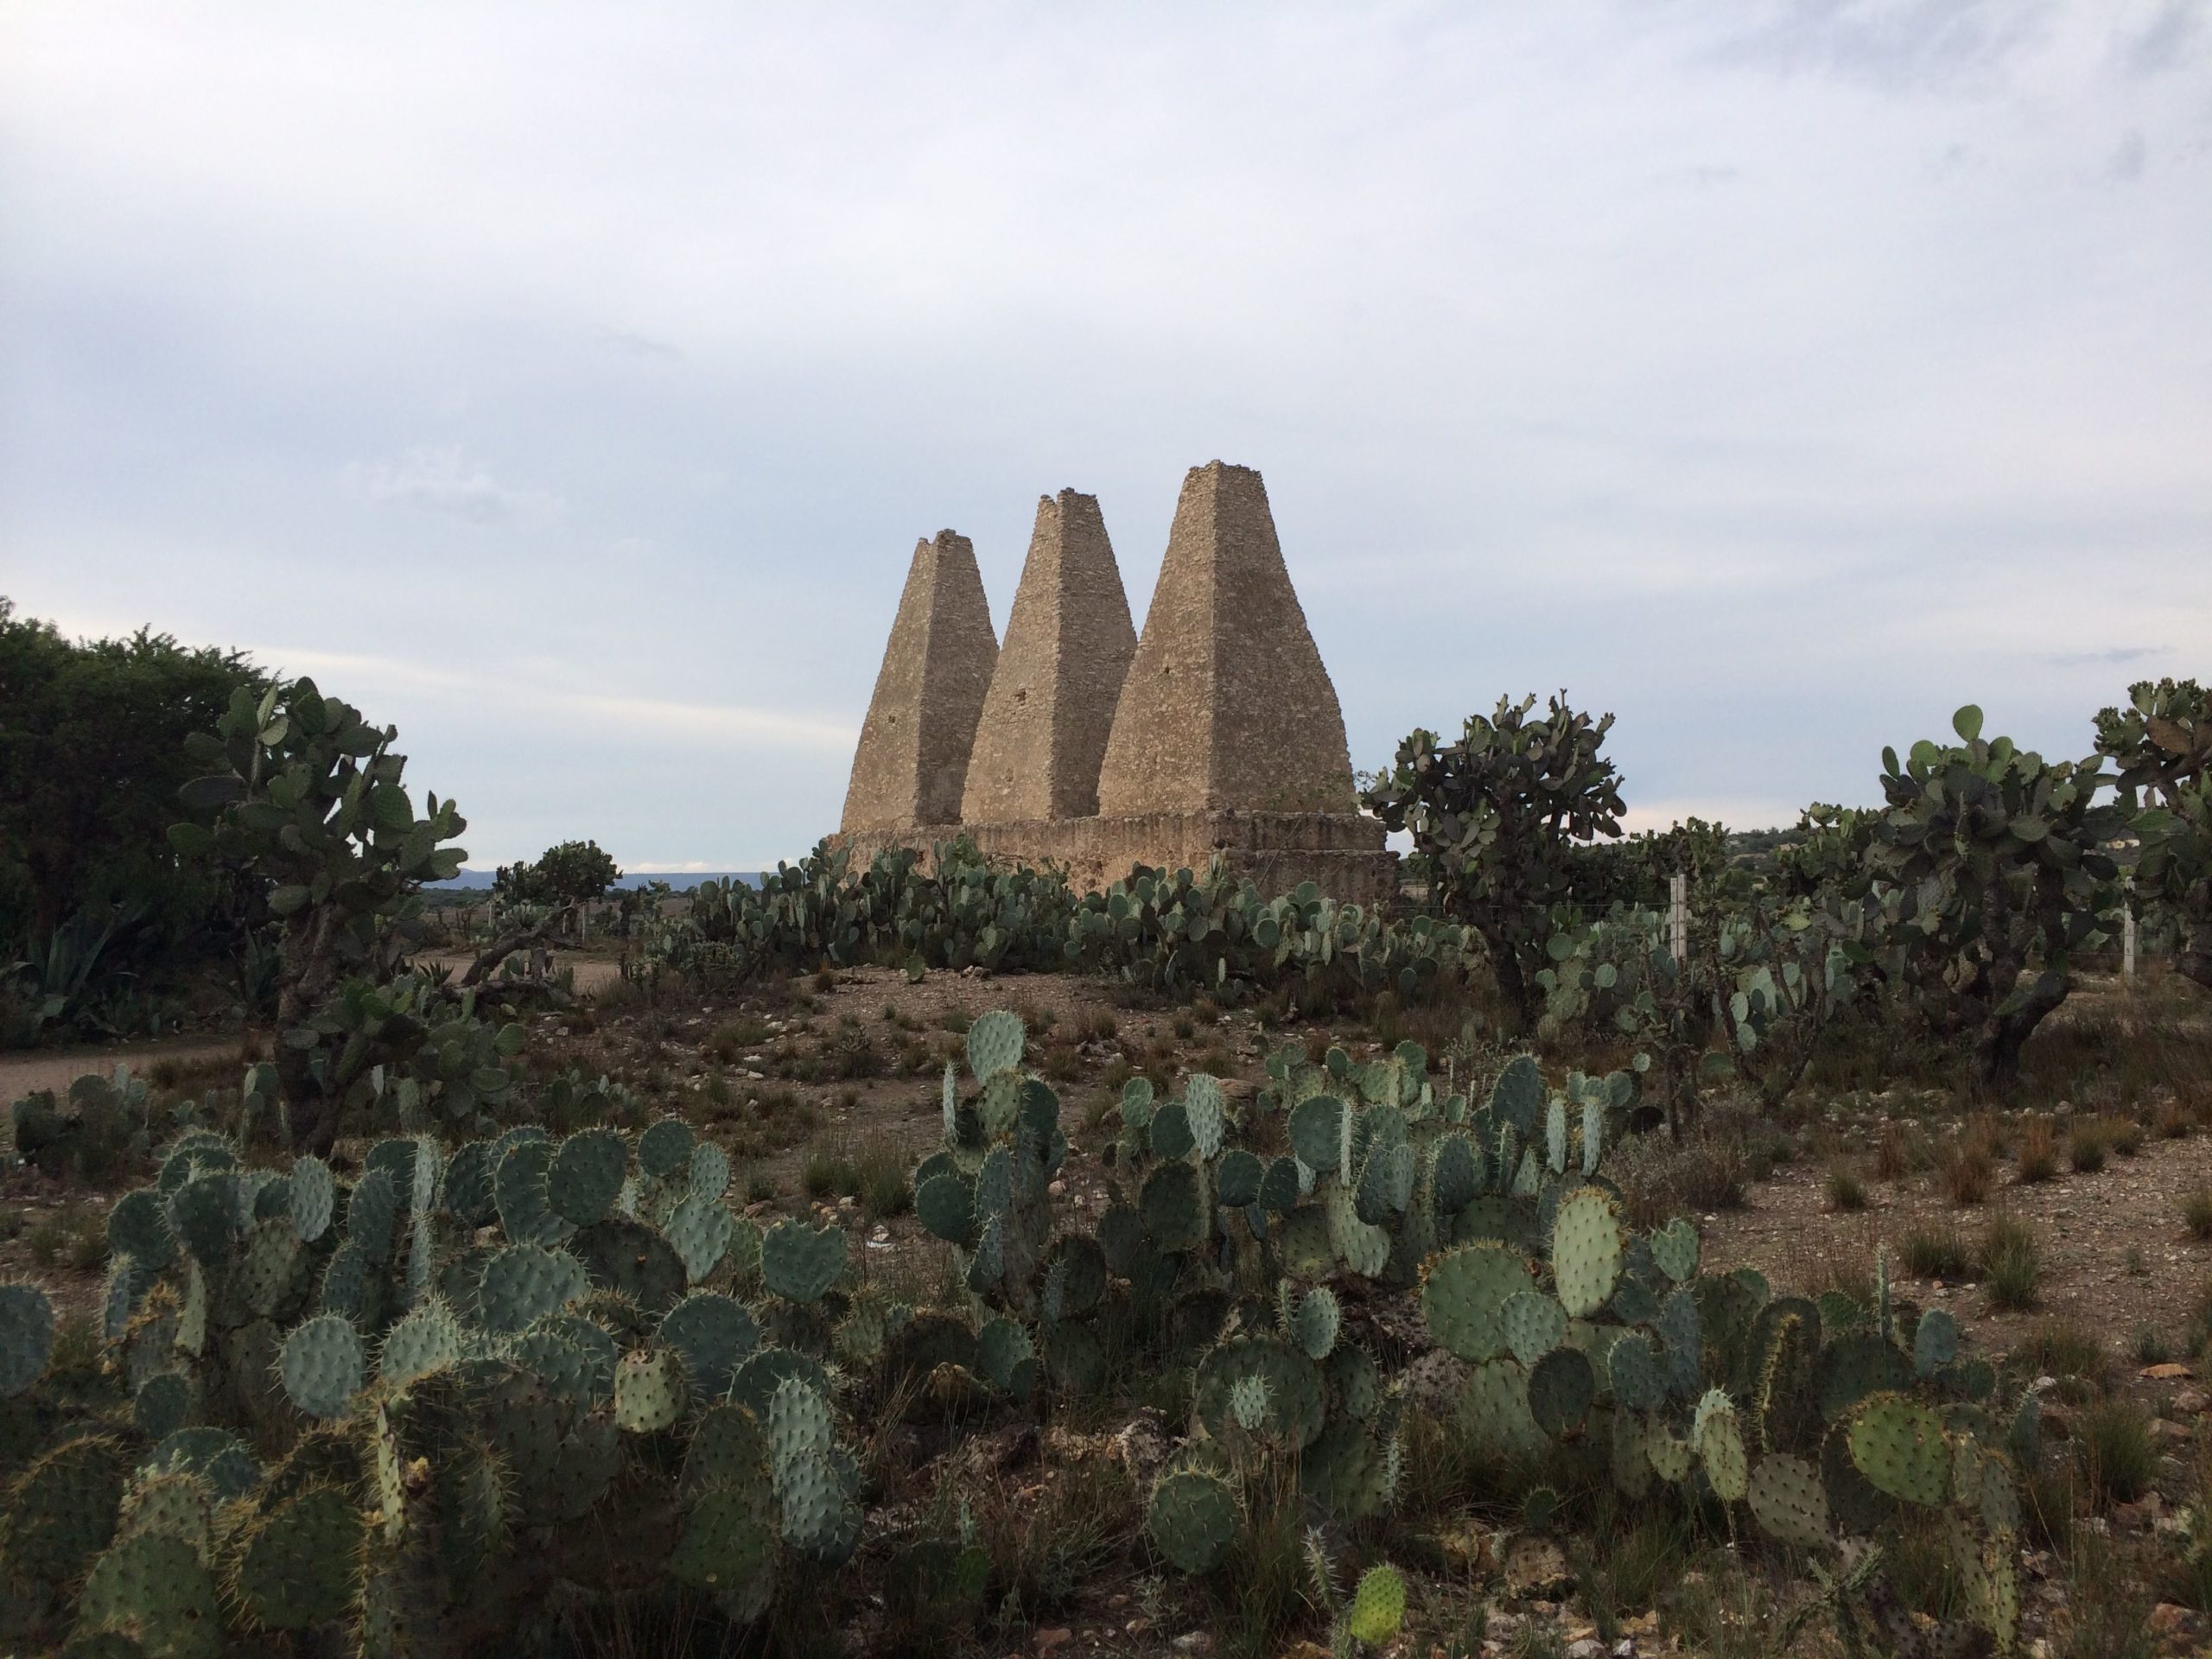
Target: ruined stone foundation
{"points": [[1218, 731]]}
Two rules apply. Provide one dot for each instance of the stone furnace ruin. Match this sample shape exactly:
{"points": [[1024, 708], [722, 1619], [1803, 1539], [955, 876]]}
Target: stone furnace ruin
{"points": [[1078, 743]]}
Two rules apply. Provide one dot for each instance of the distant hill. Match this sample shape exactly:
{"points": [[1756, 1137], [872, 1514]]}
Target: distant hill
{"points": [[681, 881]]}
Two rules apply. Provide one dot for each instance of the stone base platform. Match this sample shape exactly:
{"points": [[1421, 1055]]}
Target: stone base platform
{"points": [[1342, 854]]}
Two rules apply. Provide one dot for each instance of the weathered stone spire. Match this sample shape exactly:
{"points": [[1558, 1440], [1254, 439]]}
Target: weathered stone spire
{"points": [[1068, 645], [912, 765], [1226, 704]]}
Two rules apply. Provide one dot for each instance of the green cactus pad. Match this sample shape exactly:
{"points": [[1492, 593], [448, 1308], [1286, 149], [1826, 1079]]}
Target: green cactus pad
{"points": [[1852, 1367], [203, 1214], [138, 1227], [1386, 1182], [568, 1372], [700, 1231], [1205, 1109], [1534, 1324], [1378, 1607], [758, 1376], [1355, 1384], [996, 1041], [1313, 1325], [666, 1149], [1317, 1127], [728, 1450], [1279, 1187], [1171, 1204], [26, 1337], [298, 1563], [1898, 1445], [945, 1204], [1193, 1518], [1463, 1294], [264, 1275], [1008, 1358], [468, 1184], [1292, 1382], [322, 1365], [315, 1197], [180, 1506], [799, 1263], [1674, 1249], [1586, 1251], [61, 1511], [1788, 1498], [523, 1283], [1075, 1358], [1363, 1247], [162, 1403], [729, 1547], [373, 1216], [1681, 1330], [709, 1171], [1562, 1387], [585, 1174], [713, 1335], [649, 1391], [636, 1263], [1170, 1135], [428, 1339], [1631, 1462], [1137, 1103], [1518, 1097], [1718, 1438], [1672, 1457], [1075, 1277], [154, 1587], [1456, 1174], [1935, 1343], [1636, 1372], [216, 1455], [345, 1282], [1494, 1419], [518, 1187]]}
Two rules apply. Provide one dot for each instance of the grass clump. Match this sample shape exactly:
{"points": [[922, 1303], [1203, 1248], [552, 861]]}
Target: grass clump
{"points": [[2035, 1155], [2085, 1149], [2118, 1459], [1967, 1171], [1846, 1191], [2196, 1213], [72, 1235], [2011, 1262], [1937, 1251], [2062, 1349]]}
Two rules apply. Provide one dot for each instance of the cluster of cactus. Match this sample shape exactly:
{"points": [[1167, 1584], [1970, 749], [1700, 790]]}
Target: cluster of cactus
{"points": [[2162, 742], [1174, 932], [490, 1345], [93, 1128], [1822, 1419]]}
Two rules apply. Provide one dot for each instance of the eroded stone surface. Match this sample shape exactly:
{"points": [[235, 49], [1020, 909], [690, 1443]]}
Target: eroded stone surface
{"points": [[1226, 704], [910, 767], [1069, 640]]}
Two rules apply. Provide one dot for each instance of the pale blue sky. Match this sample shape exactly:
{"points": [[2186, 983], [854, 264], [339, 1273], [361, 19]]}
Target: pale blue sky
{"points": [[569, 384]]}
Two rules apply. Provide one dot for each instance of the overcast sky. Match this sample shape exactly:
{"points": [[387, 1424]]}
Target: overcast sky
{"points": [[568, 385]]}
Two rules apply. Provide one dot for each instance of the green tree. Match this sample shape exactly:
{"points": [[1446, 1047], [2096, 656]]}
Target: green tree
{"points": [[1502, 816], [91, 753], [309, 797], [1991, 867], [2162, 742], [572, 873]]}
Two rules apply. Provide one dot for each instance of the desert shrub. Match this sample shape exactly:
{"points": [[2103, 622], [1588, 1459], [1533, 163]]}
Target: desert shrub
{"points": [[2196, 1213], [2012, 1264], [2085, 1149], [2119, 1458], [1846, 1189], [1937, 1250], [2036, 1153]]}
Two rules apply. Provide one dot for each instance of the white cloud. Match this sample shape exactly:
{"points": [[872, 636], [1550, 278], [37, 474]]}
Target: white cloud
{"points": [[442, 480]]}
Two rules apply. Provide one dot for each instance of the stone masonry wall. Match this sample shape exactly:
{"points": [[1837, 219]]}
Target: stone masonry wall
{"points": [[911, 766], [1081, 745], [1068, 645]]}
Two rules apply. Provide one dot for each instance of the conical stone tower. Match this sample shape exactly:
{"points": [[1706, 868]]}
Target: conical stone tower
{"points": [[1227, 706], [1068, 645], [911, 765]]}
